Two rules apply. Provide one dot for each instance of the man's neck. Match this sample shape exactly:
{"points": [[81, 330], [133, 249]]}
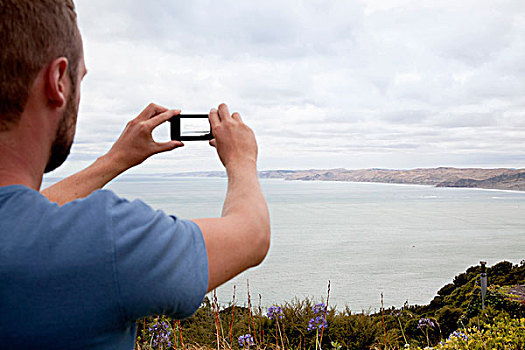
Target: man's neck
{"points": [[22, 159], [15, 170], [6, 180]]}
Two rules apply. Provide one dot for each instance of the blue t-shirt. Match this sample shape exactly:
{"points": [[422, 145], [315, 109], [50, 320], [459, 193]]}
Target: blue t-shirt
{"points": [[79, 276]]}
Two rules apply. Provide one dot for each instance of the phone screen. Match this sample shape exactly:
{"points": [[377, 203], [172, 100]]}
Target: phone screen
{"points": [[194, 127]]}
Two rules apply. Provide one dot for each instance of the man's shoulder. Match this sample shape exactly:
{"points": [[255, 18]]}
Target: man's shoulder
{"points": [[22, 207], [99, 196], [105, 202], [115, 206], [18, 194], [110, 200]]}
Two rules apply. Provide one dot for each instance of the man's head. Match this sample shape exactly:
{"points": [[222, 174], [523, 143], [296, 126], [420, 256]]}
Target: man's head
{"points": [[34, 33]]}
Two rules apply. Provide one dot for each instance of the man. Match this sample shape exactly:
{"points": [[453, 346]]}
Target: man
{"points": [[79, 266]]}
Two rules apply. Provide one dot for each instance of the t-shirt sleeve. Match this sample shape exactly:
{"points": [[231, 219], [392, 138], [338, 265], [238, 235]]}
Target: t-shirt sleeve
{"points": [[161, 265]]}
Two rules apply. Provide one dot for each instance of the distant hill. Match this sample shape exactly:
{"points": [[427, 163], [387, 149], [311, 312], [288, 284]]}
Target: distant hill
{"points": [[502, 179], [505, 181]]}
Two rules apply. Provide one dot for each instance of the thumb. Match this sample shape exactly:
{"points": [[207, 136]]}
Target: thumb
{"points": [[168, 146], [213, 143]]}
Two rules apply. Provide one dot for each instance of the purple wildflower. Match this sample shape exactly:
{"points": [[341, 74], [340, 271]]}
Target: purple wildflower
{"points": [[246, 340], [425, 323], [459, 335], [317, 323], [160, 333], [319, 308], [397, 313], [274, 312]]}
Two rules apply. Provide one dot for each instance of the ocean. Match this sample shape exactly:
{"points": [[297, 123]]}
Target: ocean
{"points": [[405, 241]]}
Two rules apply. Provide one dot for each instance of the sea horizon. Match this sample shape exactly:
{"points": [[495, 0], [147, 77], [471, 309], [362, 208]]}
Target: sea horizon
{"points": [[405, 241]]}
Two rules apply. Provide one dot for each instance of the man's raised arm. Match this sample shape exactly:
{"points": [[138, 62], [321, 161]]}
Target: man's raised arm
{"points": [[241, 237], [134, 145]]}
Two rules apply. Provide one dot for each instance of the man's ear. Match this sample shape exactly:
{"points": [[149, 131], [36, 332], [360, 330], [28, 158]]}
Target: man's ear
{"points": [[57, 82]]}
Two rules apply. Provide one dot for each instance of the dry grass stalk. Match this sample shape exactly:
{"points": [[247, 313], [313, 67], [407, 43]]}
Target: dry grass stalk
{"points": [[383, 319], [216, 317], [251, 324], [261, 334], [233, 312], [180, 335], [324, 316], [175, 336]]}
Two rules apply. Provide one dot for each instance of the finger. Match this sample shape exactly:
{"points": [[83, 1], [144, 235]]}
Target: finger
{"points": [[237, 117], [155, 121], [213, 143], [168, 146], [224, 113], [151, 110], [214, 118]]}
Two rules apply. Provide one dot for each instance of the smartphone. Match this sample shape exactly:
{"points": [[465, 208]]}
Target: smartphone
{"points": [[190, 127]]}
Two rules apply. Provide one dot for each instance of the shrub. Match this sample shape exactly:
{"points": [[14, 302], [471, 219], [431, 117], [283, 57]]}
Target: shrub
{"points": [[504, 333], [353, 332], [448, 318]]}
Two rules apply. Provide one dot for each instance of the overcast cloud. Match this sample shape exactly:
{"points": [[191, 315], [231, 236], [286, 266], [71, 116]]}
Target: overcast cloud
{"points": [[355, 84]]}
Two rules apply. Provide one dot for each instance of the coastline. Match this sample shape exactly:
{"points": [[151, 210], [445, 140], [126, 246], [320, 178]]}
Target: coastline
{"points": [[501, 179], [407, 185], [156, 178]]}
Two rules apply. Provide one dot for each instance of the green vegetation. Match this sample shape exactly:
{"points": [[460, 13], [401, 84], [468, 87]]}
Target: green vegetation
{"points": [[502, 333], [453, 320]]}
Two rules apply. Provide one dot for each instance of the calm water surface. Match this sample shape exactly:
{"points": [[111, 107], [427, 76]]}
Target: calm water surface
{"points": [[401, 240]]}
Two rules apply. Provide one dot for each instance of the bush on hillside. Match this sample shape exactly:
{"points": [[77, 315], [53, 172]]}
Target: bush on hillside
{"points": [[503, 333]]}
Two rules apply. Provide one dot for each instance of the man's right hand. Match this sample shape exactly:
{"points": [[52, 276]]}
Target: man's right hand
{"points": [[241, 237], [234, 140]]}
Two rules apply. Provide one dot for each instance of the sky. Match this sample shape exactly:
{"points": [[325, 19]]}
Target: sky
{"points": [[324, 84]]}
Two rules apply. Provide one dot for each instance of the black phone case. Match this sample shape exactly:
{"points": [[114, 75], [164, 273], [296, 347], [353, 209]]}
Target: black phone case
{"points": [[175, 128]]}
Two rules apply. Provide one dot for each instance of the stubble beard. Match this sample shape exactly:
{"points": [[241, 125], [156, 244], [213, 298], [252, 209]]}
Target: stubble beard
{"points": [[65, 134]]}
